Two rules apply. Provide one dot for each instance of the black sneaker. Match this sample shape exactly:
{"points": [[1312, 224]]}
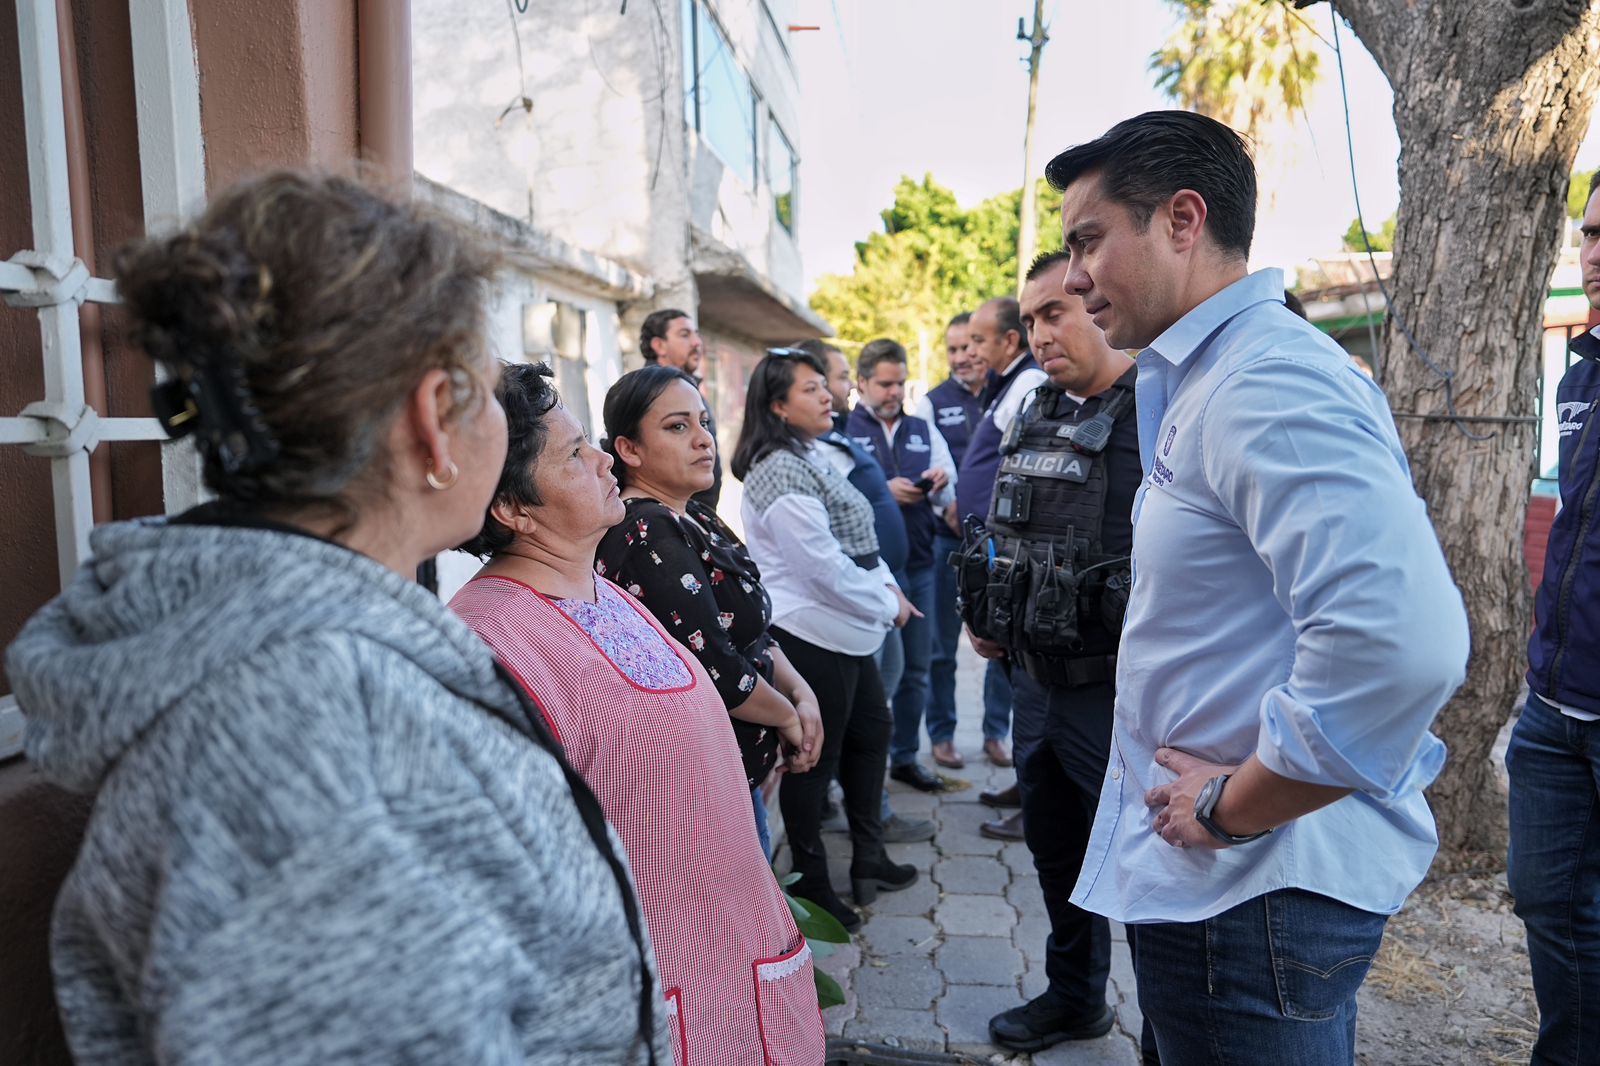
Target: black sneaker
{"points": [[1044, 1022]]}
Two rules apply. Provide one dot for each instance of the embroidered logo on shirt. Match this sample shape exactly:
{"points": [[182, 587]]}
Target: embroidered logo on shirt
{"points": [[1160, 472], [952, 416], [1567, 415], [915, 443], [866, 444]]}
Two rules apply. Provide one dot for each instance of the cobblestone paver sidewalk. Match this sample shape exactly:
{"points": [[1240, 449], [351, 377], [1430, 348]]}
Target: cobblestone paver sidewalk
{"points": [[933, 963]]}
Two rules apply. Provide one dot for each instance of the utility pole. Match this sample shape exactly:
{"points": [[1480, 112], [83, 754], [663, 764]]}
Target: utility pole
{"points": [[1028, 234]]}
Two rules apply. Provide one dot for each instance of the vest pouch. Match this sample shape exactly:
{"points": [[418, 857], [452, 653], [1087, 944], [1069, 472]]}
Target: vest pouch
{"points": [[1050, 623], [971, 562], [1114, 600]]}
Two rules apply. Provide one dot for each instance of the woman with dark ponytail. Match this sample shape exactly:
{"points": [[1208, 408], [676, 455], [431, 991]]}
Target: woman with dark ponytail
{"points": [[328, 826]]}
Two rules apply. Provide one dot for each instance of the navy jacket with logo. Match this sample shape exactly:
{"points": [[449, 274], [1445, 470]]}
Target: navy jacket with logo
{"points": [[956, 414], [911, 454], [1564, 652], [978, 468]]}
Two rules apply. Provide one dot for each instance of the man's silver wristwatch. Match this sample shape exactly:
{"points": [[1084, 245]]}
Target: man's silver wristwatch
{"points": [[1206, 802]]}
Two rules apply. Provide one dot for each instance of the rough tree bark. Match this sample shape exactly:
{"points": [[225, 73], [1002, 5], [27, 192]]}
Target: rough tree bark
{"points": [[1491, 99]]}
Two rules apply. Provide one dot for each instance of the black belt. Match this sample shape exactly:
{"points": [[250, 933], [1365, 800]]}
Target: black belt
{"points": [[1070, 673], [868, 561]]}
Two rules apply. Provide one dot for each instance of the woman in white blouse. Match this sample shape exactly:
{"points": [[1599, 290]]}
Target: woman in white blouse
{"points": [[833, 599]]}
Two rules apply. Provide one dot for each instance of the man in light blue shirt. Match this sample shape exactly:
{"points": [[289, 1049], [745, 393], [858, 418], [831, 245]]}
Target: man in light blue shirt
{"points": [[1293, 628]]}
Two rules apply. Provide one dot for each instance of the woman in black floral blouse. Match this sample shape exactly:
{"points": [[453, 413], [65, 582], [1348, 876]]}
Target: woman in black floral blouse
{"points": [[677, 557]]}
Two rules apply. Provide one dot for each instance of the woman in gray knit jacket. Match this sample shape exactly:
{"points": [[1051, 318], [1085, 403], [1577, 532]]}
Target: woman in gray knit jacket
{"points": [[327, 829]]}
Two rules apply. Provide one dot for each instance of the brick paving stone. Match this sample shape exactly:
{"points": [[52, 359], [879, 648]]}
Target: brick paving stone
{"points": [[909, 803], [909, 982], [1031, 931], [1019, 860], [914, 1029], [971, 874], [965, 1010], [961, 915], [1023, 893], [1034, 982], [891, 935], [980, 960]]}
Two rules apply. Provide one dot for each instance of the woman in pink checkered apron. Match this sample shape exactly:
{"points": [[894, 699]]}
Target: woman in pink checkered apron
{"points": [[642, 721]]}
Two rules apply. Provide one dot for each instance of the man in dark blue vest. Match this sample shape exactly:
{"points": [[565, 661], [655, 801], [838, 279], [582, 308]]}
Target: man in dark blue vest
{"points": [[953, 410], [995, 338], [920, 470]]}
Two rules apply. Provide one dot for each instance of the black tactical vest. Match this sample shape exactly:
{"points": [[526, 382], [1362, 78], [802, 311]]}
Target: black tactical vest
{"points": [[1050, 592]]}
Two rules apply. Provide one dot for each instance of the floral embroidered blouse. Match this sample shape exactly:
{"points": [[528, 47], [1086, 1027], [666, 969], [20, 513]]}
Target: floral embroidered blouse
{"points": [[692, 573], [627, 640]]}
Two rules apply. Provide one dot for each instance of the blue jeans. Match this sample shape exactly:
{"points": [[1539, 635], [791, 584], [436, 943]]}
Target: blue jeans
{"points": [[891, 660], [763, 830], [996, 701], [1554, 874], [910, 691], [944, 640], [1272, 980]]}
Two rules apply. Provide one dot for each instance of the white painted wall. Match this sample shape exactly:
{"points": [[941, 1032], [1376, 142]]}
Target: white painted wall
{"points": [[604, 161]]}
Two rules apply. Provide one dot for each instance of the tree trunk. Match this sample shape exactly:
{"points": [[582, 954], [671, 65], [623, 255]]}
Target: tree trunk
{"points": [[1491, 100]]}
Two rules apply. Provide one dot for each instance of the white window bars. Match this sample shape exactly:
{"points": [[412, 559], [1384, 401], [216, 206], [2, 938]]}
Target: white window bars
{"points": [[51, 280]]}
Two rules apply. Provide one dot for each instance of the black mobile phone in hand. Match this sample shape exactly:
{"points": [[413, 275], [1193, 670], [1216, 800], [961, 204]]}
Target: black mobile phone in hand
{"points": [[923, 485]]}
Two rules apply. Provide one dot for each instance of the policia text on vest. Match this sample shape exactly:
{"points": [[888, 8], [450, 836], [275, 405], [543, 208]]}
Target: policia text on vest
{"points": [[1046, 576]]}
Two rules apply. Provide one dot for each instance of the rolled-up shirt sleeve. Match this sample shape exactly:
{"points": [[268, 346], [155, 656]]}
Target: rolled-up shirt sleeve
{"points": [[941, 460], [1301, 461]]}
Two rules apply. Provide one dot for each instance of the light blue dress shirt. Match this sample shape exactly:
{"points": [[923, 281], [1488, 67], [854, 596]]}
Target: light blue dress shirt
{"points": [[1290, 599]]}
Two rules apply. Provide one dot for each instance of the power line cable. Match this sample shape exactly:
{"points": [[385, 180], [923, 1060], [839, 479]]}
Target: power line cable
{"points": [[1446, 377]]}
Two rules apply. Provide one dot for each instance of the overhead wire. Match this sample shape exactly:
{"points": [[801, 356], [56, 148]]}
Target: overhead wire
{"points": [[1446, 377]]}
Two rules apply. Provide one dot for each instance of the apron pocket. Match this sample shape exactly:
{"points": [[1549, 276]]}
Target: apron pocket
{"points": [[786, 1009], [675, 1031]]}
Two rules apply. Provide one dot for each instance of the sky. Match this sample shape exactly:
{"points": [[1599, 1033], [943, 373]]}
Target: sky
{"points": [[892, 87]]}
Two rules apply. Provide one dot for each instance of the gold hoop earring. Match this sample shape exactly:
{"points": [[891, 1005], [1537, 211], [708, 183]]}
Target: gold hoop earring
{"points": [[434, 481]]}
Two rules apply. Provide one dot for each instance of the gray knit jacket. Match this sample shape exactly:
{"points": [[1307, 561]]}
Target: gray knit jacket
{"points": [[312, 843]]}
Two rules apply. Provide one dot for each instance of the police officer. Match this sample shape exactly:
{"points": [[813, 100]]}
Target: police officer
{"points": [[1043, 585]]}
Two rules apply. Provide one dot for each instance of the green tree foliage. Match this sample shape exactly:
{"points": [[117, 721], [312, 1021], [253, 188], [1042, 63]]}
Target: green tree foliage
{"points": [[1382, 241], [1241, 62], [1578, 194], [932, 260]]}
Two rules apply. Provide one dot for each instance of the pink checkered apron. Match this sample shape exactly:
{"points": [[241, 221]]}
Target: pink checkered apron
{"points": [[735, 972]]}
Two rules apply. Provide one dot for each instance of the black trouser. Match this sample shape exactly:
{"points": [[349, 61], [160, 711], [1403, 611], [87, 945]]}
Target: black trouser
{"points": [[855, 747], [1062, 740]]}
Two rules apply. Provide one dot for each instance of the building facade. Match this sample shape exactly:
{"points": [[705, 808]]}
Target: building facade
{"points": [[657, 140]]}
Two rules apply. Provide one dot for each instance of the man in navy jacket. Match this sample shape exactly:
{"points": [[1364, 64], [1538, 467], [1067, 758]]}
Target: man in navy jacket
{"points": [[1554, 755], [920, 472]]}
